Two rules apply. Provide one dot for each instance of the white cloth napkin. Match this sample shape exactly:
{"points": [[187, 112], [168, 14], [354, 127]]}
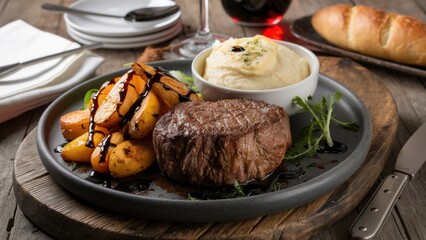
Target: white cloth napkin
{"points": [[41, 83]]}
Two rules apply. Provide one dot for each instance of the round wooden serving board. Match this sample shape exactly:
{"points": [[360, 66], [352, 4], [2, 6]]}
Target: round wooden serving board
{"points": [[63, 216]]}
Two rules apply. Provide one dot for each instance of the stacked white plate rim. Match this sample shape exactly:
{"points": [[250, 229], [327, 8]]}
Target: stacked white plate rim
{"points": [[118, 33]]}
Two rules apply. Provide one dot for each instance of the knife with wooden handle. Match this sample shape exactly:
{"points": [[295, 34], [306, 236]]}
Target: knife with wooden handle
{"points": [[410, 159]]}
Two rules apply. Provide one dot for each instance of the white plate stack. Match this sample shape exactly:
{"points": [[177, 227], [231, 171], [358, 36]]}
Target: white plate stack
{"points": [[118, 33]]}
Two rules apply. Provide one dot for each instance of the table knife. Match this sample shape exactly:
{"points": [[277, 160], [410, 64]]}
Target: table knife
{"points": [[409, 161]]}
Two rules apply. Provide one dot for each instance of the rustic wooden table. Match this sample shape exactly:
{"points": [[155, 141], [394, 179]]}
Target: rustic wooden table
{"points": [[408, 220]]}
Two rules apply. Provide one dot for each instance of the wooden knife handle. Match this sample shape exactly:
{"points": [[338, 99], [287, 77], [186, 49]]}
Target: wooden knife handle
{"points": [[375, 213]]}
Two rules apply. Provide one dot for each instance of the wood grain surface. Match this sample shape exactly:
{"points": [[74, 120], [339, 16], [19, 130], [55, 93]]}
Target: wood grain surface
{"points": [[407, 220], [45, 203]]}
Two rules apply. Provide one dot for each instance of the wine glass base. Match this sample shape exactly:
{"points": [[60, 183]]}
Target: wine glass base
{"points": [[254, 24], [187, 47]]}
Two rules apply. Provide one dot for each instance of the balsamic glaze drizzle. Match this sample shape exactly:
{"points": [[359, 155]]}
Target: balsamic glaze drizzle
{"points": [[106, 142], [237, 48], [337, 148], [280, 176], [105, 145], [93, 109]]}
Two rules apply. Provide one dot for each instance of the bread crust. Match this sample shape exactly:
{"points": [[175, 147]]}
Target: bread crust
{"points": [[373, 32]]}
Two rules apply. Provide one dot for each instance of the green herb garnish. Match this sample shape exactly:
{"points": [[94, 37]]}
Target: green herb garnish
{"points": [[317, 133], [277, 186], [74, 166], [238, 191], [183, 78], [191, 197], [88, 97]]}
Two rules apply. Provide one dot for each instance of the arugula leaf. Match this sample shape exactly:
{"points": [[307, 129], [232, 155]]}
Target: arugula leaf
{"points": [[74, 166], [185, 79], [88, 97], [313, 136], [353, 126], [238, 191], [191, 197], [235, 191]]}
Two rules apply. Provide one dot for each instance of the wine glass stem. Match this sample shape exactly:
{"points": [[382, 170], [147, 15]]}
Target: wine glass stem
{"points": [[203, 37], [203, 27]]}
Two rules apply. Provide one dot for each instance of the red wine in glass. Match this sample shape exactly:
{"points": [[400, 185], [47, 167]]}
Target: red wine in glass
{"points": [[256, 12]]}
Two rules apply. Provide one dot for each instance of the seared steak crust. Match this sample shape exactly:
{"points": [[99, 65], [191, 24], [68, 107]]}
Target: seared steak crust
{"points": [[218, 143]]}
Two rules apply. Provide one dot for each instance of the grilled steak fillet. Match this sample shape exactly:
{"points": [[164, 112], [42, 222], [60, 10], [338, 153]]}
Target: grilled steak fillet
{"points": [[218, 143]]}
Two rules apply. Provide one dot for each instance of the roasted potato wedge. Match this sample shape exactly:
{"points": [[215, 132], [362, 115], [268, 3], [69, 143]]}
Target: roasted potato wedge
{"points": [[77, 151], [102, 153], [143, 70], [74, 124], [131, 157], [119, 100], [114, 102], [104, 91], [164, 106], [170, 97], [145, 118], [168, 88]]}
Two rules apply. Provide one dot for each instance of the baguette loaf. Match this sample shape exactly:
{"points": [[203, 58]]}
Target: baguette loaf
{"points": [[373, 32]]}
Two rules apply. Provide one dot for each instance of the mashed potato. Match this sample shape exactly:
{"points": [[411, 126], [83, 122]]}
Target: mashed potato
{"points": [[254, 63]]}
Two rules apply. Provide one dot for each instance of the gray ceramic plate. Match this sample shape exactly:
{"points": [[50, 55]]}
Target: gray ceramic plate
{"points": [[302, 28], [164, 200]]}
